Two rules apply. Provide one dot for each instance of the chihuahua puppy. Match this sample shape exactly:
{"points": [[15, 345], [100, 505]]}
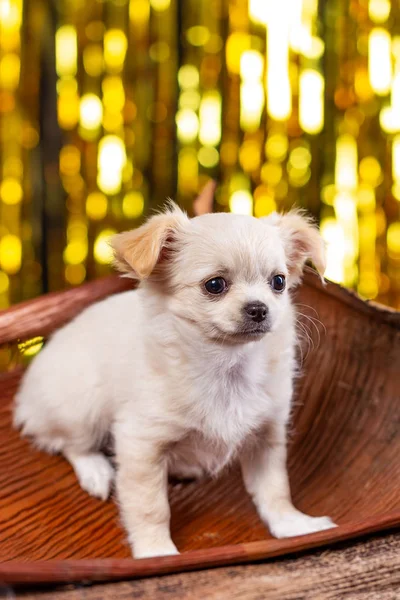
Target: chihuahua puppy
{"points": [[190, 371]]}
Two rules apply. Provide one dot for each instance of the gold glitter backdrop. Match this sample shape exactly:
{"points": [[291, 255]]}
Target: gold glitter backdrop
{"points": [[108, 107]]}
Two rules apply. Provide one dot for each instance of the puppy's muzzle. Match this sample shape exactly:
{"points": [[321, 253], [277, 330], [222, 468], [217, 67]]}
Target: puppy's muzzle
{"points": [[256, 312], [256, 319]]}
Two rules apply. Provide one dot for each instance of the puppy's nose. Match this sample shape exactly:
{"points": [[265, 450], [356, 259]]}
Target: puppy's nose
{"points": [[257, 311]]}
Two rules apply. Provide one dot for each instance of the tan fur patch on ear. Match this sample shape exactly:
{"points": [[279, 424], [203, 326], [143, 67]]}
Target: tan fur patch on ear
{"points": [[302, 242], [137, 252]]}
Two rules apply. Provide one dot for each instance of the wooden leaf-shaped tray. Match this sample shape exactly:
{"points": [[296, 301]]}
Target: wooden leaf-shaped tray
{"points": [[344, 456]]}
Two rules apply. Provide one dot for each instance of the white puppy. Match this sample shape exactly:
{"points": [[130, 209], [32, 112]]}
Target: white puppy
{"points": [[189, 372]]}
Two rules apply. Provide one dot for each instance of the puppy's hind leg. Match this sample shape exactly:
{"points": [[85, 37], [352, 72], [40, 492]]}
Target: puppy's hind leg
{"points": [[94, 472]]}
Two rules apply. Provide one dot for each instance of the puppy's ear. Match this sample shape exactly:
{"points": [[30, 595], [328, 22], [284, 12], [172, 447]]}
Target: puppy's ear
{"points": [[302, 242], [137, 252]]}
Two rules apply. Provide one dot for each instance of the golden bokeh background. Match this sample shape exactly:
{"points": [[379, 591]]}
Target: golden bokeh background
{"points": [[107, 107]]}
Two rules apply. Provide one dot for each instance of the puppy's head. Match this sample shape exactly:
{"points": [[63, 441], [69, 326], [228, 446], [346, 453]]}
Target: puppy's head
{"points": [[229, 275]]}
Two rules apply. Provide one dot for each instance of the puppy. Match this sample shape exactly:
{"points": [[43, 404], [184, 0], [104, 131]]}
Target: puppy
{"points": [[188, 372]]}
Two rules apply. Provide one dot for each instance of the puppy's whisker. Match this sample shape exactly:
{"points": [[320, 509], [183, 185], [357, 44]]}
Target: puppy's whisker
{"points": [[306, 336], [310, 331], [316, 319]]}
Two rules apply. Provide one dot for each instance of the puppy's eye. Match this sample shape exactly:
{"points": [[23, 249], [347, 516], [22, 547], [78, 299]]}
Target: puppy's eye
{"points": [[217, 285], [278, 283]]}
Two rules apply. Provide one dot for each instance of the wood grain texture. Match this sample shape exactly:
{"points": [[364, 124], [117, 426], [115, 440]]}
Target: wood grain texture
{"points": [[363, 571], [344, 456], [43, 315]]}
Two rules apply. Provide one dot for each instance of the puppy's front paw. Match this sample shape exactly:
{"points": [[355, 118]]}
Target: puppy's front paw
{"points": [[297, 523], [95, 474], [150, 551]]}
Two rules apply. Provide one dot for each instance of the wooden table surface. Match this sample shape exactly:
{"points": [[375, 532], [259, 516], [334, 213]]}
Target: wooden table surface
{"points": [[366, 570]]}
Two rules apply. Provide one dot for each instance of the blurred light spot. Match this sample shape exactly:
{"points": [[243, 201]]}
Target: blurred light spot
{"points": [[264, 205], [77, 229], [251, 105], [380, 61], [214, 44], [96, 206], [279, 93], [368, 286], [187, 171], [68, 109], [133, 205], [75, 274], [328, 193], [208, 157], [236, 44], [238, 182], [251, 90], [299, 177], [70, 160], [198, 35], [76, 251], [112, 122], [210, 119], [346, 166], [102, 250], [366, 198], [9, 71], [11, 191], [31, 347], [113, 93], [396, 191], [115, 46], [10, 15], [362, 84], [393, 239], [300, 158], [258, 11], [370, 170], [188, 77], [271, 173], [312, 47], [396, 159], [139, 12], [66, 51], [91, 112], [10, 254], [4, 282], [67, 86], [29, 138], [389, 120], [93, 61], [160, 5], [189, 99], [251, 65], [159, 52], [311, 101], [241, 203], [276, 146], [111, 160], [127, 172], [187, 124], [379, 10], [250, 155], [333, 235]]}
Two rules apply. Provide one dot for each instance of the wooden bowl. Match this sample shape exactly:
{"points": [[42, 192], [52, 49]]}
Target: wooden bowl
{"points": [[344, 456]]}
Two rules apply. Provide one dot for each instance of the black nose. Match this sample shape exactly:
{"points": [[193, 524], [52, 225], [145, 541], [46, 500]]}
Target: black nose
{"points": [[257, 311]]}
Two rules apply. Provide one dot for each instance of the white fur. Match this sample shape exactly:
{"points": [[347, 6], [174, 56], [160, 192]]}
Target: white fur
{"points": [[165, 371]]}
